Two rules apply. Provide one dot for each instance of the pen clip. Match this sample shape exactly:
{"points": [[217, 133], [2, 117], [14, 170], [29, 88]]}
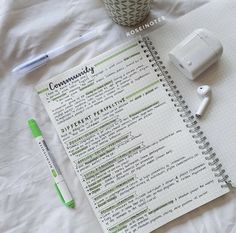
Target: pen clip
{"points": [[70, 204], [59, 194]]}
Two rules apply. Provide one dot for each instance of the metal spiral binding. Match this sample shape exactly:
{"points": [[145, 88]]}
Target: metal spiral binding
{"points": [[183, 110]]}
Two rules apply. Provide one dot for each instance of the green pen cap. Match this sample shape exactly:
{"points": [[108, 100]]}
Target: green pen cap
{"points": [[34, 128], [70, 204]]}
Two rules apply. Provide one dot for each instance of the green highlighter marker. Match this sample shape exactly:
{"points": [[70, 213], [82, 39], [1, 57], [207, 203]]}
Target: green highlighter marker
{"points": [[61, 187]]}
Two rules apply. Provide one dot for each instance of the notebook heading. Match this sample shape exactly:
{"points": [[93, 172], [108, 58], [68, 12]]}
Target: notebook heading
{"points": [[52, 86]]}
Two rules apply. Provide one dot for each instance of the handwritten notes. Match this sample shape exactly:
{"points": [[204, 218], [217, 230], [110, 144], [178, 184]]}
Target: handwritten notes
{"points": [[137, 161]]}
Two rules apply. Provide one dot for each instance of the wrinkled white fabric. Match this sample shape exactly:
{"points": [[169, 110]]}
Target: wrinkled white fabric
{"points": [[28, 202]]}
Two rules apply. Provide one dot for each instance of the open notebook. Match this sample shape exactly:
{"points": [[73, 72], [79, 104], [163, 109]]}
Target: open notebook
{"points": [[139, 153]]}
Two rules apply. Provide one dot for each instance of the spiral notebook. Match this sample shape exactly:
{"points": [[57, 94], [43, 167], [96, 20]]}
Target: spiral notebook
{"points": [[138, 151]]}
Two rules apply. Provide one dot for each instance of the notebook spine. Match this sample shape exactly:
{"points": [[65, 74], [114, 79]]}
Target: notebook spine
{"points": [[184, 112]]}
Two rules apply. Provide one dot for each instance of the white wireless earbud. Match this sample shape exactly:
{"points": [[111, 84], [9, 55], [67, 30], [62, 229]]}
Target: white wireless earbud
{"points": [[205, 93]]}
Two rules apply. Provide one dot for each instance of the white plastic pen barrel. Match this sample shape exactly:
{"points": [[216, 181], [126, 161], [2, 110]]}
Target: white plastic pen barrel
{"points": [[43, 58]]}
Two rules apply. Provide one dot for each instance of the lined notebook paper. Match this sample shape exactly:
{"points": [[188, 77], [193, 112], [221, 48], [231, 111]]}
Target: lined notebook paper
{"points": [[132, 142], [218, 123]]}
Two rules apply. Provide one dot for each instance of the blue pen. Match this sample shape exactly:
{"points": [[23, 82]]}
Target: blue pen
{"points": [[42, 59]]}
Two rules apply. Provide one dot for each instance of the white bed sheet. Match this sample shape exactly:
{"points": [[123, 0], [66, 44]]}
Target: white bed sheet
{"points": [[28, 202]]}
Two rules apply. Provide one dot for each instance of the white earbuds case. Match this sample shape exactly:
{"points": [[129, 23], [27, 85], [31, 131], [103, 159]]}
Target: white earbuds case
{"points": [[196, 53]]}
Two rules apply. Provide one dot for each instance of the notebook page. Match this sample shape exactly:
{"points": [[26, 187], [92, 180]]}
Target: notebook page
{"points": [[133, 154], [218, 122]]}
